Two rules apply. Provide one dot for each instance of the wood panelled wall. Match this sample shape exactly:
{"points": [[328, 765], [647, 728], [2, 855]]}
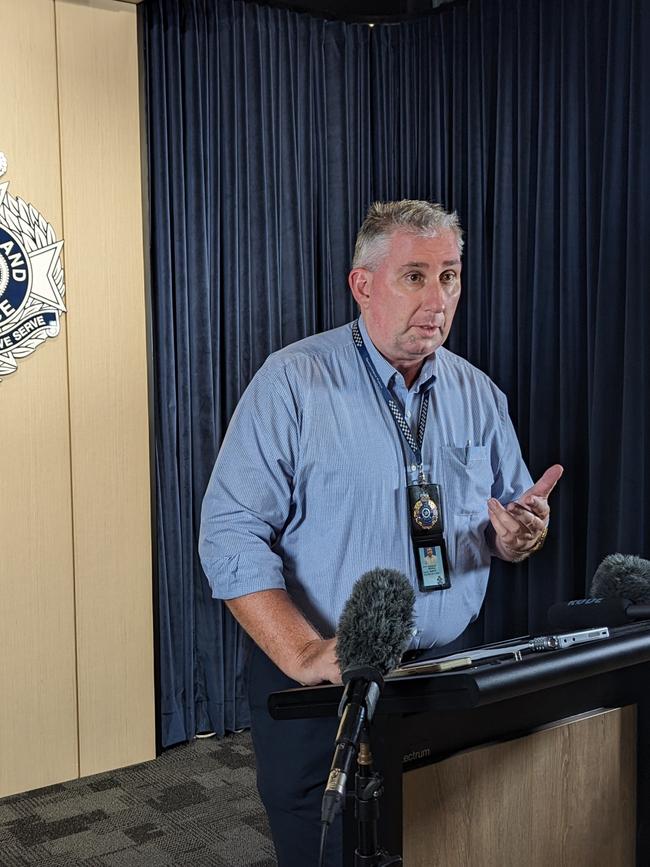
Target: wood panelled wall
{"points": [[76, 642]]}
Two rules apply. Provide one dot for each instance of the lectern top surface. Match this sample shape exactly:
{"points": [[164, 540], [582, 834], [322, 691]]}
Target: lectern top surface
{"points": [[483, 683]]}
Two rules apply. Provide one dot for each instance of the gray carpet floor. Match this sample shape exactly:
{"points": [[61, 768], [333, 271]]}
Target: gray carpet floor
{"points": [[197, 805]]}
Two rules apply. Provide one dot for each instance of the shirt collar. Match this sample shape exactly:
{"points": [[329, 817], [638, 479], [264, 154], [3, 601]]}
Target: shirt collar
{"points": [[386, 370]]}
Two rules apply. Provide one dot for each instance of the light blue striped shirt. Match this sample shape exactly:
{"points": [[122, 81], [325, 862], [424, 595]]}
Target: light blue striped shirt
{"points": [[309, 488]]}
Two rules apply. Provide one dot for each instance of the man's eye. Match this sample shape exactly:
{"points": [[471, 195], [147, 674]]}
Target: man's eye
{"points": [[414, 277], [449, 277]]}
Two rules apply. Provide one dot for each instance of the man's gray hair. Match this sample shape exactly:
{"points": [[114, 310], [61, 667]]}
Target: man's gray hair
{"points": [[426, 219]]}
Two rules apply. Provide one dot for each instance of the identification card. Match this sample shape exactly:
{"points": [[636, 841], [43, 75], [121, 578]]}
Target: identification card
{"points": [[431, 565]]}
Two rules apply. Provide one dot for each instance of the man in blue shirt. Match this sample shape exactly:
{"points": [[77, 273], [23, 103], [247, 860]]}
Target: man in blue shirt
{"points": [[310, 490]]}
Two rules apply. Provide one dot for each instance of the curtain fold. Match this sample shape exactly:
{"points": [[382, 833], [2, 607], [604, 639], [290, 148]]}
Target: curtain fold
{"points": [[269, 134]]}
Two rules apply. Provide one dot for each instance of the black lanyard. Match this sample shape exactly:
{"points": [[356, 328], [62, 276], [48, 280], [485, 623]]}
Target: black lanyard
{"points": [[414, 445]]}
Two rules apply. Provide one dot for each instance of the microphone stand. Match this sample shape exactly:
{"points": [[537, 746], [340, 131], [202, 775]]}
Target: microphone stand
{"points": [[369, 787]]}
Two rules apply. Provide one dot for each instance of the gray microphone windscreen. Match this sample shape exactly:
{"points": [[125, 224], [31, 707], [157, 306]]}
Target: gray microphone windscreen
{"points": [[624, 576], [376, 624]]}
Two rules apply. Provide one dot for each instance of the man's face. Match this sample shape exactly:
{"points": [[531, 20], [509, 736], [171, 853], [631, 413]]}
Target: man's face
{"points": [[408, 302]]}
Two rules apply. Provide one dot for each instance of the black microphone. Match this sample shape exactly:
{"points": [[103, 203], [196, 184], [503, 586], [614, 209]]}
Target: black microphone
{"points": [[375, 628], [620, 594], [588, 613]]}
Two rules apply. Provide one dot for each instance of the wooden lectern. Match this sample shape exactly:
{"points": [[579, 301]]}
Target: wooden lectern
{"points": [[512, 763]]}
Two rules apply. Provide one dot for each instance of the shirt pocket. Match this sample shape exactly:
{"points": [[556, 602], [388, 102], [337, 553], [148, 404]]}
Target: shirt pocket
{"points": [[467, 478]]}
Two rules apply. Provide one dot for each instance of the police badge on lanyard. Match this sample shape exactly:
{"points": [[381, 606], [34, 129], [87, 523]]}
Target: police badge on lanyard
{"points": [[427, 529]]}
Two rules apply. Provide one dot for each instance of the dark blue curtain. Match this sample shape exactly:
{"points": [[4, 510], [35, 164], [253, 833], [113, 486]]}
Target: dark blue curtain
{"points": [[269, 134]]}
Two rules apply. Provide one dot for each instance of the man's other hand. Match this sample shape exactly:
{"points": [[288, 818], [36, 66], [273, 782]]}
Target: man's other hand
{"points": [[520, 526]]}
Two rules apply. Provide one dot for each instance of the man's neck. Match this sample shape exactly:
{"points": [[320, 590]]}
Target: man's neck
{"points": [[410, 372]]}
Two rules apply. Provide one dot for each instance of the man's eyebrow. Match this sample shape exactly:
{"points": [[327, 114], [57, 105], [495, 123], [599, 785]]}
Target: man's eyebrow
{"points": [[447, 264]]}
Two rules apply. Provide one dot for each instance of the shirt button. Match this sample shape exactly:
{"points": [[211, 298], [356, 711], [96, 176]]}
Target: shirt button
{"points": [[408, 414]]}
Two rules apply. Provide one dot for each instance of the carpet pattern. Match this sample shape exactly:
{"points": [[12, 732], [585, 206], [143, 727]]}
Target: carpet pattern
{"points": [[197, 805]]}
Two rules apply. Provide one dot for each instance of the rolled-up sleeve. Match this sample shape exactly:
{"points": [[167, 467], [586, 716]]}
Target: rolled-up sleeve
{"points": [[248, 498]]}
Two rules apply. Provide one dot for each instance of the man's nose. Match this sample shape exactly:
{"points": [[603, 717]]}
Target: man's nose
{"points": [[434, 299]]}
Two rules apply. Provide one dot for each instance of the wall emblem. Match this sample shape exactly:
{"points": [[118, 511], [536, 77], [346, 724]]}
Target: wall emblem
{"points": [[31, 279]]}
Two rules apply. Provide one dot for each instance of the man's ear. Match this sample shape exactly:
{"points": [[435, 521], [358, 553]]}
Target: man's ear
{"points": [[360, 280]]}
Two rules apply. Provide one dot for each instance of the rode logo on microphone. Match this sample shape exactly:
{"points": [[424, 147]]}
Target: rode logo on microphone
{"points": [[593, 601]]}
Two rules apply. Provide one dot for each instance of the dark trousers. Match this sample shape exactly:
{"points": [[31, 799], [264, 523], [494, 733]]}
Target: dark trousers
{"points": [[293, 759]]}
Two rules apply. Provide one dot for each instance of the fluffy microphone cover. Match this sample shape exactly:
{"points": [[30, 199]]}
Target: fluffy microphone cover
{"points": [[377, 621], [625, 576]]}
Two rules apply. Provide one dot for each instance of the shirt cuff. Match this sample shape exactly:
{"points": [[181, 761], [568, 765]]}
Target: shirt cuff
{"points": [[241, 574]]}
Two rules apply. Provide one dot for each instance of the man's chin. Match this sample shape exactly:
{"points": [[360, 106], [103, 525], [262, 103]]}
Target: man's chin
{"points": [[423, 346]]}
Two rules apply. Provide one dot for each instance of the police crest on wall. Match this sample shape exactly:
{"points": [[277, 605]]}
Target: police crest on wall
{"points": [[31, 279]]}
